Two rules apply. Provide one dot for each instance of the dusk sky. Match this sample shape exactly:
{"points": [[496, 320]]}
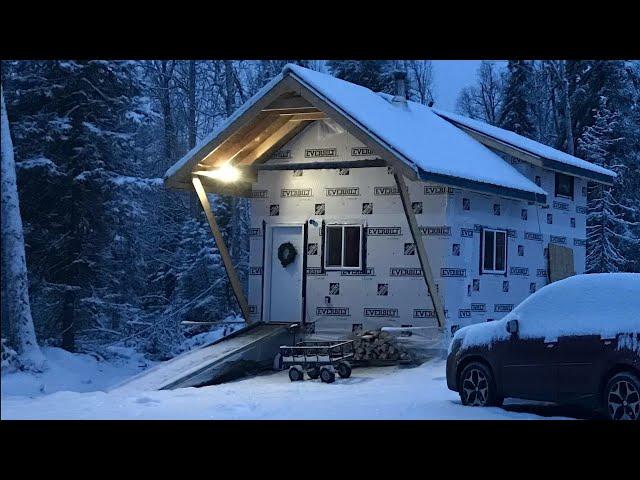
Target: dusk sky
{"points": [[450, 76]]}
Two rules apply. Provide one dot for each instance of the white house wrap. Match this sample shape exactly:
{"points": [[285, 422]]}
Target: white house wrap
{"points": [[389, 289], [319, 158]]}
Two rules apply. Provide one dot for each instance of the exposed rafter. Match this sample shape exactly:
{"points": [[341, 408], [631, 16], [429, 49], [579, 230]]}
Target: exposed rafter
{"points": [[270, 143]]}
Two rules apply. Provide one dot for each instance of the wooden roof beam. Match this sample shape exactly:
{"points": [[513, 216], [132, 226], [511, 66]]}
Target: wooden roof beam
{"points": [[288, 103], [252, 138], [270, 143], [302, 117]]}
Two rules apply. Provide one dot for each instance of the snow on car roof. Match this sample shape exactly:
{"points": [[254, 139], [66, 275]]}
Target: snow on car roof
{"points": [[419, 135], [523, 143], [603, 304]]}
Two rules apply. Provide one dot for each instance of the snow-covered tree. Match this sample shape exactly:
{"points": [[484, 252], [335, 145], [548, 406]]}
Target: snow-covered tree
{"points": [[15, 284], [75, 125], [376, 75], [606, 225], [515, 114]]}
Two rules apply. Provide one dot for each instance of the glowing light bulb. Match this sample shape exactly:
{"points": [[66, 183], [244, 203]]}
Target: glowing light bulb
{"points": [[227, 173]]}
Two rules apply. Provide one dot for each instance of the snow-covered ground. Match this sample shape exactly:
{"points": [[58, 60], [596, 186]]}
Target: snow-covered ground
{"points": [[73, 372], [72, 389]]}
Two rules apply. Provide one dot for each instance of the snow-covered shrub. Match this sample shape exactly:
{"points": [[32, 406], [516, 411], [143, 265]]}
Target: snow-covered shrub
{"points": [[10, 362]]}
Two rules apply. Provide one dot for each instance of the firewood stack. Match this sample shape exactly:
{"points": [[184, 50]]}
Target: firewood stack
{"points": [[379, 347]]}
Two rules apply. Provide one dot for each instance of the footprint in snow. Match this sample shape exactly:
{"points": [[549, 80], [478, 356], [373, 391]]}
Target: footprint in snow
{"points": [[145, 400]]}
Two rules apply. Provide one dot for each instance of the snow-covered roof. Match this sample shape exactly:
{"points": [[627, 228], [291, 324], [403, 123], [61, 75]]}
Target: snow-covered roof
{"points": [[423, 139], [438, 146], [568, 162]]}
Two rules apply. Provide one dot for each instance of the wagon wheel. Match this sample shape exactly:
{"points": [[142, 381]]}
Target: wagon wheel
{"points": [[344, 369], [327, 375], [295, 374]]}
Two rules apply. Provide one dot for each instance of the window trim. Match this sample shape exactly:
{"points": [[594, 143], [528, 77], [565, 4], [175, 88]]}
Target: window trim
{"points": [[573, 185], [482, 251], [326, 246]]}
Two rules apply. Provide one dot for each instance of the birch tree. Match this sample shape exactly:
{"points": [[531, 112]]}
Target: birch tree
{"points": [[14, 263]]}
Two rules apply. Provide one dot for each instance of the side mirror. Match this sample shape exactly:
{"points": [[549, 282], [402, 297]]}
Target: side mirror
{"points": [[512, 327]]}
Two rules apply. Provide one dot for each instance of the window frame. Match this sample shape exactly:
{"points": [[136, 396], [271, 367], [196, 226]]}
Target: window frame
{"points": [[493, 271], [342, 266], [559, 176]]}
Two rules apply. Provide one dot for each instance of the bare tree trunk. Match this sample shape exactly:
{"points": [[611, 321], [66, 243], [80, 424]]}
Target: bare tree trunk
{"points": [[164, 83], [558, 69], [192, 128], [230, 90], [14, 260], [191, 95], [567, 108]]}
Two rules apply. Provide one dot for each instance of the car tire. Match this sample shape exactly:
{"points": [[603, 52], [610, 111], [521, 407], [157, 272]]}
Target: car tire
{"points": [[621, 397], [477, 386]]}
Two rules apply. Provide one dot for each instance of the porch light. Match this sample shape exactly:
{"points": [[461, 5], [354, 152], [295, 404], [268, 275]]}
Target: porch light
{"points": [[226, 173]]}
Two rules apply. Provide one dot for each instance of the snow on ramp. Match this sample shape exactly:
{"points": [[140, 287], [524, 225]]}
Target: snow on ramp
{"points": [[258, 343]]}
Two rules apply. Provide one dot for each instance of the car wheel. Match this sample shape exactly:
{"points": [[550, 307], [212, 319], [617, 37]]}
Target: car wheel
{"points": [[477, 387], [622, 397]]}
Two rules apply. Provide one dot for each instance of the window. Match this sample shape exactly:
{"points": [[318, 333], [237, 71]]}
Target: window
{"points": [[494, 251], [564, 185], [343, 246]]}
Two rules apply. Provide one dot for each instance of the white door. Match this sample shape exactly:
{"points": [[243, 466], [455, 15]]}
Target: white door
{"points": [[285, 299]]}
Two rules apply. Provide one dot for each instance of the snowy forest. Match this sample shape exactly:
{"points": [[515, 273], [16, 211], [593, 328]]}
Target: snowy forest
{"points": [[113, 258]]}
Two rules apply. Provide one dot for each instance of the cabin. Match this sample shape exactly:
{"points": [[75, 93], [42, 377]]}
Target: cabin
{"points": [[370, 211]]}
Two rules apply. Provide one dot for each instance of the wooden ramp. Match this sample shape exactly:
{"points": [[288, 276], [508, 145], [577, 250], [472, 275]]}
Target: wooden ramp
{"points": [[251, 348]]}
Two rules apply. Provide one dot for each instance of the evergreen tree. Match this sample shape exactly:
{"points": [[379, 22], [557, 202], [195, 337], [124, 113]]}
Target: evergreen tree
{"points": [[74, 137], [373, 74], [515, 114], [606, 227]]}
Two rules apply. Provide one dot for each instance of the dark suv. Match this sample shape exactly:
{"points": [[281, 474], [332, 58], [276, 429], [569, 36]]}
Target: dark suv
{"points": [[576, 341]]}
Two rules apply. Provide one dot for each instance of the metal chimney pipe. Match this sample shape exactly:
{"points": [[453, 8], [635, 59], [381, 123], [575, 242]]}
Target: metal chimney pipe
{"points": [[399, 78]]}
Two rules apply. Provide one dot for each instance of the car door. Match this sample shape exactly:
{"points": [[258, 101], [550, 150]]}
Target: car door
{"points": [[527, 369], [578, 359]]}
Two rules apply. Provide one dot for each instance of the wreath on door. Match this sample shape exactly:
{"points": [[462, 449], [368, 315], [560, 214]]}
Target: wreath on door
{"points": [[286, 253]]}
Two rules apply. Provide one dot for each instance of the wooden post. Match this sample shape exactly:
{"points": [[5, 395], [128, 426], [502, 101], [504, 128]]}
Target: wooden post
{"points": [[224, 253], [422, 253]]}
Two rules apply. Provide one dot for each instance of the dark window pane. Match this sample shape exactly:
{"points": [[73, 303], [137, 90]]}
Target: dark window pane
{"points": [[501, 245], [334, 246], [352, 246], [564, 185], [488, 250]]}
